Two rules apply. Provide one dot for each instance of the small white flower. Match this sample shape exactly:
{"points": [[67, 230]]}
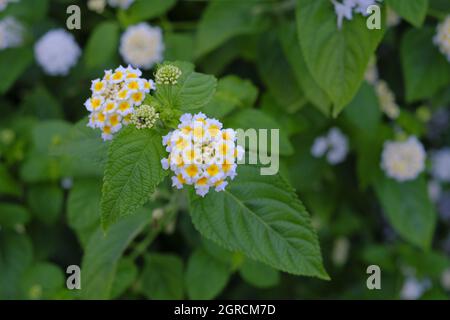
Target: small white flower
{"points": [[96, 5], [386, 100], [393, 19], [57, 52], [334, 145], [413, 289], [434, 190], [142, 46], [441, 165], [442, 37], [11, 33], [346, 8], [123, 4], [403, 160]]}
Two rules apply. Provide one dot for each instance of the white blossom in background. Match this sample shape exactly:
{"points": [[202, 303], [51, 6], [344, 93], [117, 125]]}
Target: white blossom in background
{"points": [[96, 5], [440, 165], [142, 45], [334, 145], [4, 4], [403, 160], [445, 279], [57, 52], [393, 19], [442, 37], [386, 99], [341, 248], [371, 75], [434, 190], [67, 183], [346, 8], [11, 33], [413, 289], [122, 4]]}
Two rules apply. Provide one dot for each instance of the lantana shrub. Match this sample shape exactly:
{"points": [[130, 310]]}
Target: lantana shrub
{"points": [[134, 148]]}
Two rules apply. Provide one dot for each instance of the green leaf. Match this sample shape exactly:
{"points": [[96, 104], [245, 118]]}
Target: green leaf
{"points": [[224, 20], [337, 59], [42, 281], [262, 217], [8, 186], [206, 276], [232, 92], [278, 75], [142, 10], [425, 69], [162, 277], [192, 91], [257, 119], [16, 255], [12, 215], [132, 173], [46, 202], [314, 94], [102, 44], [125, 275], [178, 46], [42, 104], [408, 209], [258, 274], [412, 11], [104, 251], [22, 58], [83, 204]]}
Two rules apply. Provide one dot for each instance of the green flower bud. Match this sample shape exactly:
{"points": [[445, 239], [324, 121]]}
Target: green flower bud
{"points": [[167, 74], [144, 117]]}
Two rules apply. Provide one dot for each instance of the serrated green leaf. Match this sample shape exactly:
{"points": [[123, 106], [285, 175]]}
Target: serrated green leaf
{"points": [[162, 277], [337, 59], [192, 91], [104, 251], [408, 209], [412, 11], [125, 275], [132, 172], [206, 276], [262, 217], [425, 69]]}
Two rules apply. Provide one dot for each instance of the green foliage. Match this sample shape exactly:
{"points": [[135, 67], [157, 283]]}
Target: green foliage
{"points": [[102, 44], [413, 11], [337, 59], [132, 172], [409, 209], [256, 215], [425, 69], [162, 277]]}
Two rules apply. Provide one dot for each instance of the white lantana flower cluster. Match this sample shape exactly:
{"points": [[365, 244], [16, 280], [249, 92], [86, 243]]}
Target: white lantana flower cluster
{"points": [[57, 52], [334, 145], [142, 46], [346, 8], [4, 4], [114, 98], [386, 99], [11, 33], [201, 153], [99, 5], [403, 160], [442, 38], [440, 168]]}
